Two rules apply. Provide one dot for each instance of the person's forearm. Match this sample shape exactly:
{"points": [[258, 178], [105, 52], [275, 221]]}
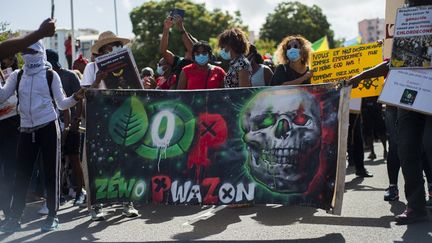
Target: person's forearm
{"points": [[11, 47], [294, 82], [187, 41], [164, 42]]}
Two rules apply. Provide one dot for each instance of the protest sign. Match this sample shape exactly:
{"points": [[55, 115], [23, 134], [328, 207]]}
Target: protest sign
{"points": [[390, 17], [412, 43], [9, 107], [121, 69], [409, 89], [284, 145], [343, 63]]}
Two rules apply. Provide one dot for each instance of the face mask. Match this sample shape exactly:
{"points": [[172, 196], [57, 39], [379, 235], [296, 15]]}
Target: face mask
{"points": [[160, 70], [33, 62], [225, 55], [201, 59], [293, 54]]}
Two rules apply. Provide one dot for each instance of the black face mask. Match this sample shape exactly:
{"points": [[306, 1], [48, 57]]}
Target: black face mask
{"points": [[413, 3]]}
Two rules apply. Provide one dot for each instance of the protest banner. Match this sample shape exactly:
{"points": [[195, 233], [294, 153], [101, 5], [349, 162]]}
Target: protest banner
{"points": [[283, 145], [121, 69], [9, 107], [390, 17], [409, 89], [412, 43], [343, 63]]}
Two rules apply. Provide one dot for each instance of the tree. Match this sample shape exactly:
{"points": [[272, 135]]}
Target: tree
{"points": [[295, 18], [147, 22], [265, 46]]}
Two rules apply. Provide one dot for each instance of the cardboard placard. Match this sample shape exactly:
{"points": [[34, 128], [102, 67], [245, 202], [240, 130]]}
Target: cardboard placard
{"points": [[409, 89], [343, 63]]}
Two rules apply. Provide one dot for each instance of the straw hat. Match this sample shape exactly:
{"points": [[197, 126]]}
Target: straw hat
{"points": [[105, 38]]}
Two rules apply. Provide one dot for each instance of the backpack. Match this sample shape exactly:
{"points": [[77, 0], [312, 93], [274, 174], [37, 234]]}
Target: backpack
{"points": [[49, 75]]}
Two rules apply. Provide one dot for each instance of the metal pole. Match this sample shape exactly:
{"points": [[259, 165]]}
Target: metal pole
{"points": [[73, 31], [115, 14]]}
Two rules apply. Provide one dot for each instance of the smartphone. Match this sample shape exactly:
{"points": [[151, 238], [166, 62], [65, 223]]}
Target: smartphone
{"points": [[177, 11]]}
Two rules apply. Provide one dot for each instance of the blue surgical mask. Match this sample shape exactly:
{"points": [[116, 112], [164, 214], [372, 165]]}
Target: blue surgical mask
{"points": [[160, 70], [225, 55], [201, 59], [293, 54]]}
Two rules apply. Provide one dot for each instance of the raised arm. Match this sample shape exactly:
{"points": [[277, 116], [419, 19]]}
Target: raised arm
{"points": [[187, 41], [12, 46], [379, 70], [166, 54]]}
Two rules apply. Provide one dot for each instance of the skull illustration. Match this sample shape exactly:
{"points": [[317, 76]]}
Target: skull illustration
{"points": [[282, 130]]}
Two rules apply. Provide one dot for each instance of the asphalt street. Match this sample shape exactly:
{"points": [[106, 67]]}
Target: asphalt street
{"points": [[366, 217]]}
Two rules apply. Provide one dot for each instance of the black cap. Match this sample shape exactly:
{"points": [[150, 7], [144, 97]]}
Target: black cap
{"points": [[53, 58]]}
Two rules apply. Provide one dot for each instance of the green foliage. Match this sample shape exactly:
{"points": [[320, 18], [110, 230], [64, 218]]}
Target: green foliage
{"points": [[129, 123], [293, 18], [265, 46], [147, 22]]}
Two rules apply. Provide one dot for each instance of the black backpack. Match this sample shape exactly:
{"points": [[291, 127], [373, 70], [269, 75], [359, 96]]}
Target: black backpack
{"points": [[49, 75]]}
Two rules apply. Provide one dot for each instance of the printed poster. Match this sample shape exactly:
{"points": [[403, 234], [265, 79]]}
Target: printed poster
{"points": [[412, 44]]}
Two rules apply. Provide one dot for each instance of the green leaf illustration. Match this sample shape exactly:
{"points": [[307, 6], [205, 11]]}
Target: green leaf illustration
{"points": [[129, 123]]}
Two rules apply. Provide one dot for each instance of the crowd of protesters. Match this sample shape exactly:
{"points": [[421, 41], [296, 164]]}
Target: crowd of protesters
{"points": [[46, 133]]}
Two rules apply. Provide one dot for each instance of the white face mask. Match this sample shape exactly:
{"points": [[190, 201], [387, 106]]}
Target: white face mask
{"points": [[33, 63], [160, 70]]}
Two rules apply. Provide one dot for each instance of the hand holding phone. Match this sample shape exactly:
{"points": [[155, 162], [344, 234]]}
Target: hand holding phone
{"points": [[177, 11]]}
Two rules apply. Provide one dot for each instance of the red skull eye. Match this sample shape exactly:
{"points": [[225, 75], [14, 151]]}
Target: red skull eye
{"points": [[301, 119]]}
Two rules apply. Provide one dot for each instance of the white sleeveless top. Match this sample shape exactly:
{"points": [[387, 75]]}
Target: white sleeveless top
{"points": [[257, 79]]}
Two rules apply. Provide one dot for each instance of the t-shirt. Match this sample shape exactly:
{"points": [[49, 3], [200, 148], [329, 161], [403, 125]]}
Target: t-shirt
{"points": [[198, 78], [89, 76], [163, 83], [71, 84], [68, 45], [284, 73], [232, 77], [178, 64]]}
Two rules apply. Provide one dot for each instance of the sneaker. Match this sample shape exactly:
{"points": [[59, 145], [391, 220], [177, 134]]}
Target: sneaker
{"points": [[410, 216], [11, 225], [50, 224], [80, 199], [363, 173], [97, 214], [391, 194], [129, 210], [43, 210]]}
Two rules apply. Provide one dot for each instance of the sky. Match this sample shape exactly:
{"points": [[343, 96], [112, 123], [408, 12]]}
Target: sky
{"points": [[343, 15]]}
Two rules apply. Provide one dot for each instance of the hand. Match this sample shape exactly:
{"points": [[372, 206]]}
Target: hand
{"points": [[100, 75], [308, 75], [47, 28], [179, 22], [149, 83], [168, 23], [79, 95]]}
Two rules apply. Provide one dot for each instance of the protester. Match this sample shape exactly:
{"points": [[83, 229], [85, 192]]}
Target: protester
{"points": [[175, 62], [80, 63], [107, 42], [414, 132], [261, 74], [68, 52], [355, 145], [15, 45], [234, 45], [39, 131], [72, 119], [201, 74], [167, 79], [147, 77], [373, 125], [293, 53], [9, 139]]}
